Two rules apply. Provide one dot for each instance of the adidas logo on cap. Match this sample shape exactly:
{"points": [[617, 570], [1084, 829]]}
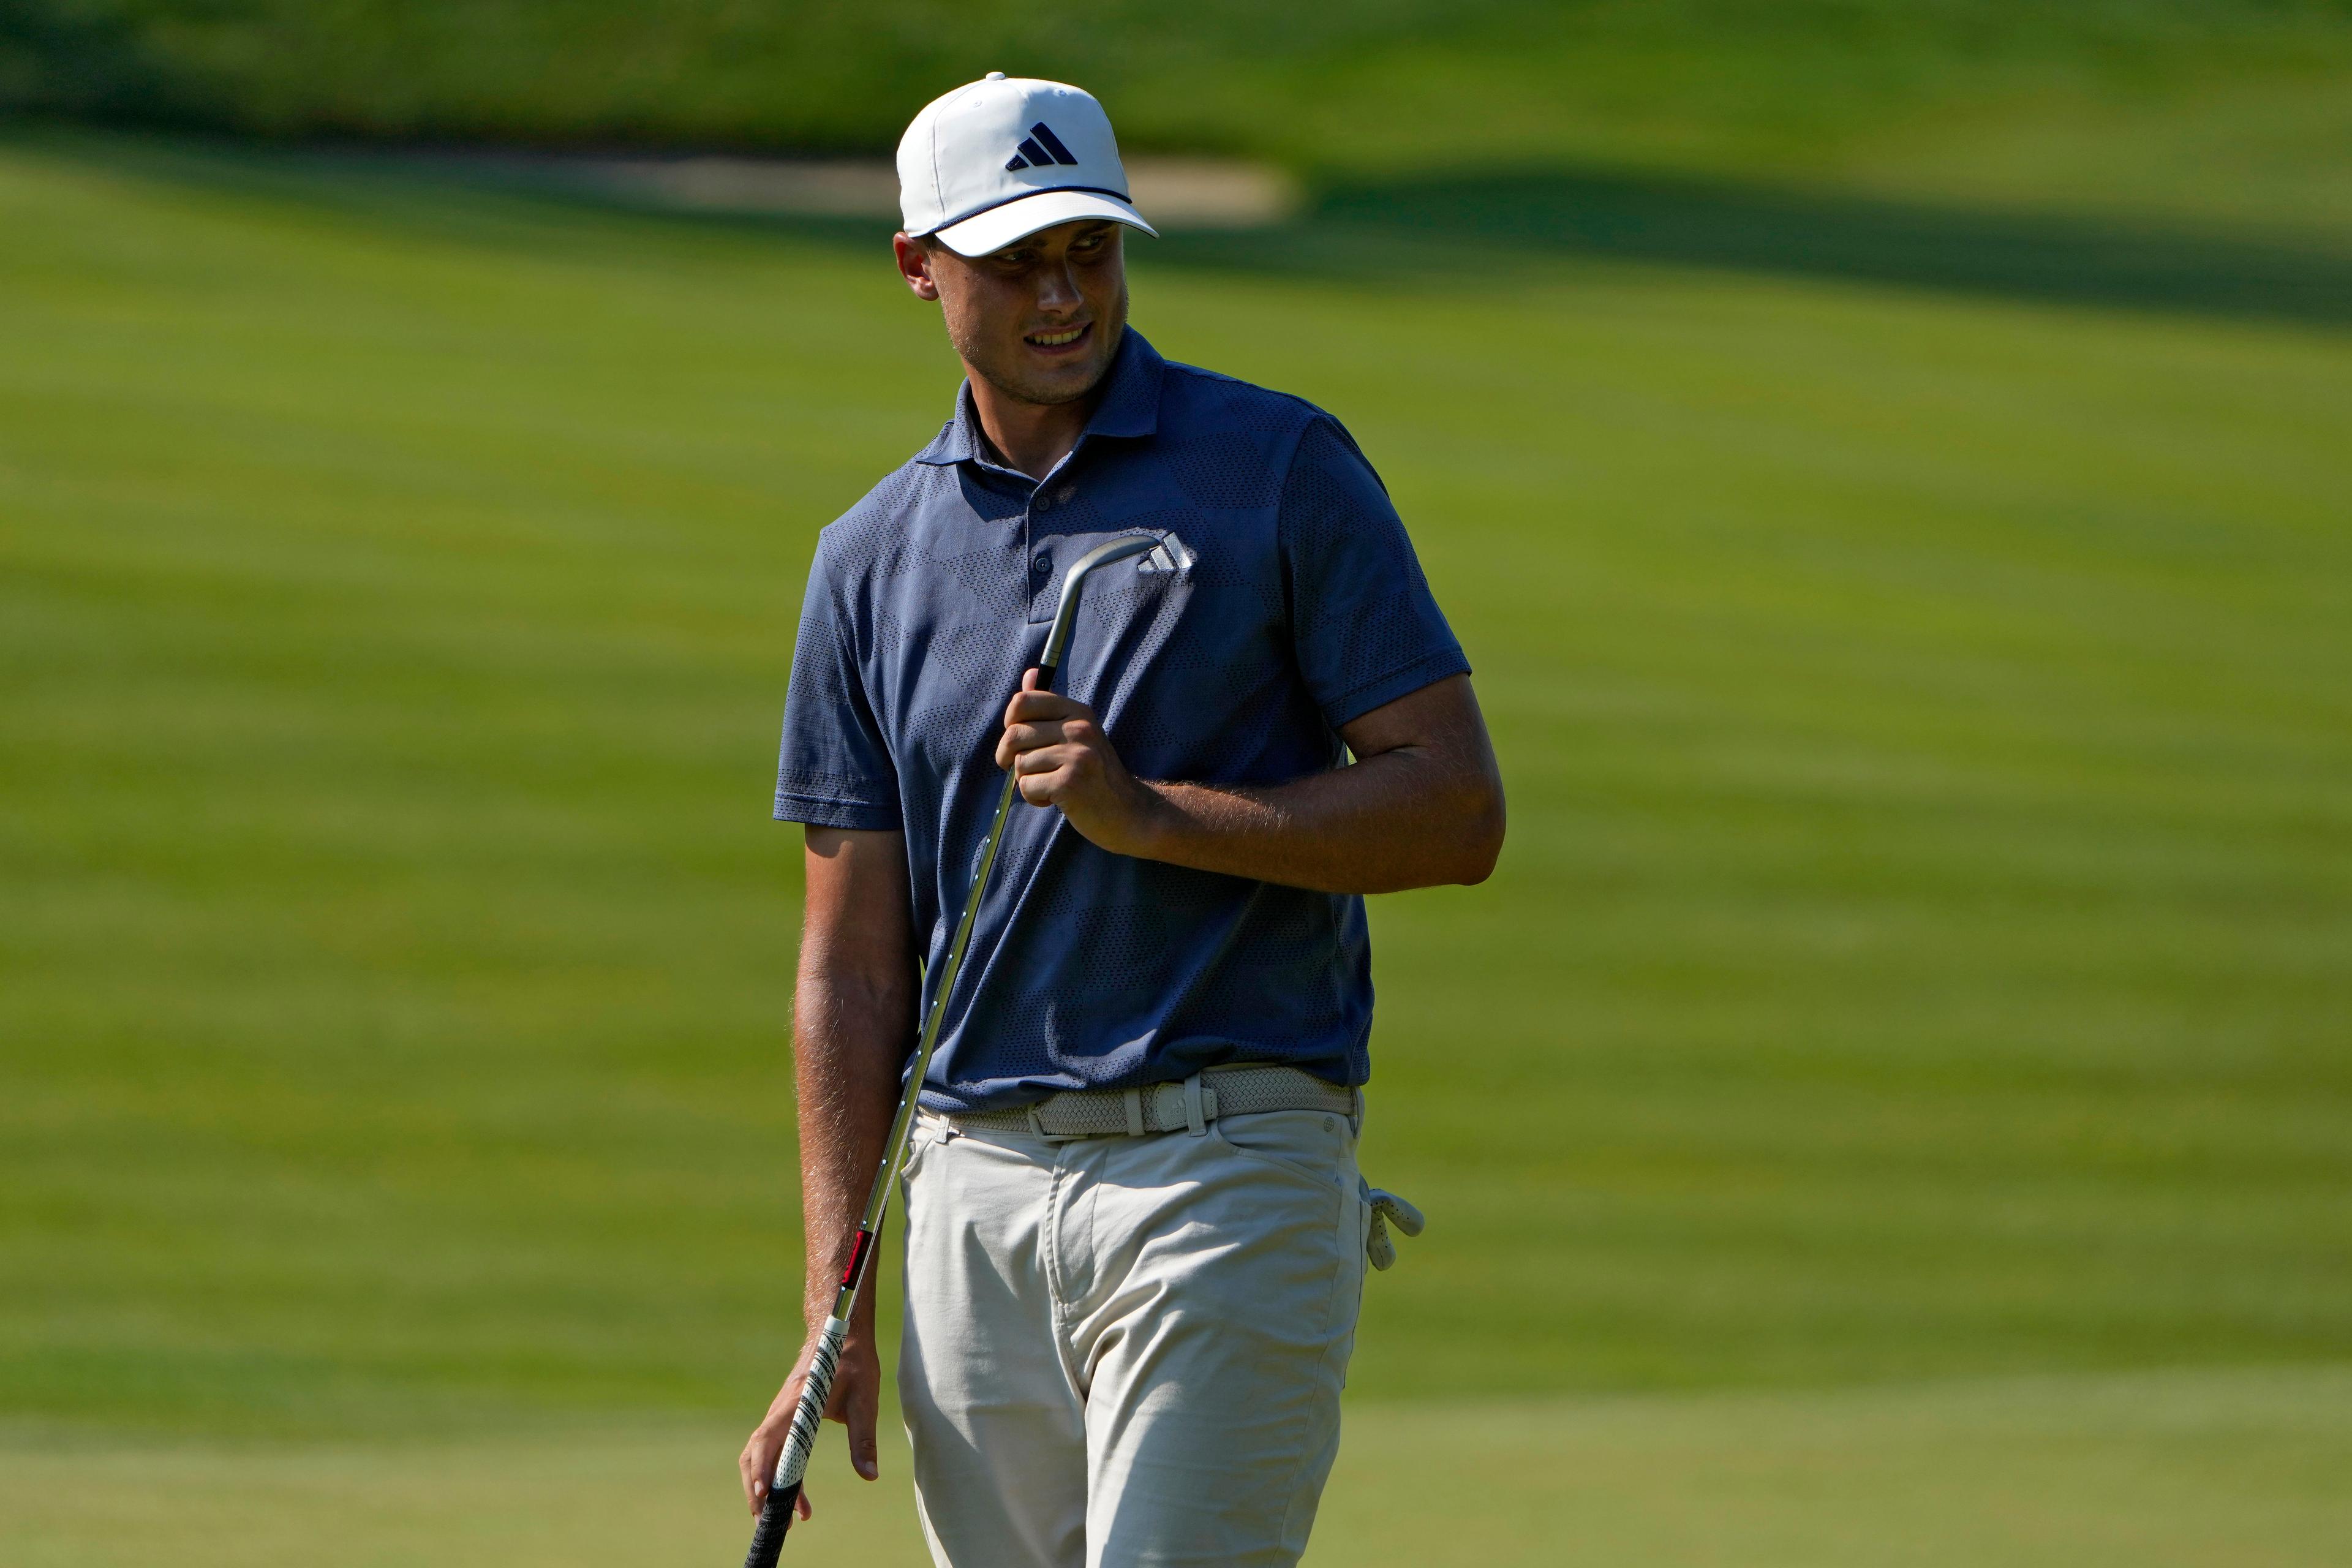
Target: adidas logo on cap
{"points": [[956, 180], [1040, 146]]}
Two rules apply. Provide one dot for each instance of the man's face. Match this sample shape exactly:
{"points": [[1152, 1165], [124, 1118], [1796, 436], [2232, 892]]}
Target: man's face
{"points": [[1039, 321]]}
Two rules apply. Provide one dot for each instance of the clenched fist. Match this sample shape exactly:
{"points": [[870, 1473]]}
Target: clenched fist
{"points": [[1056, 749]]}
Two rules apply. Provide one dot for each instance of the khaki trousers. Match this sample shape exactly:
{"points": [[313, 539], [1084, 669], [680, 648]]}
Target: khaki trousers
{"points": [[1127, 1352]]}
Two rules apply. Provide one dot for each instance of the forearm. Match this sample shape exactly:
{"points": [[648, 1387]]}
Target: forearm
{"points": [[1422, 805], [853, 1021], [849, 1041], [1381, 824], [853, 1014]]}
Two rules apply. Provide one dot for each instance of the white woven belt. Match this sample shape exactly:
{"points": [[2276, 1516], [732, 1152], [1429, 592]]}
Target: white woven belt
{"points": [[1188, 1105]]}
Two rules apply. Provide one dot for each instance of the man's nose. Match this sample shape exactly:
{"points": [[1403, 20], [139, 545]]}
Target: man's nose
{"points": [[1057, 288]]}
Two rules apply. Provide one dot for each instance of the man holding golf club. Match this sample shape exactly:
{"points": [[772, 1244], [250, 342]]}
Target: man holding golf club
{"points": [[1135, 1232]]}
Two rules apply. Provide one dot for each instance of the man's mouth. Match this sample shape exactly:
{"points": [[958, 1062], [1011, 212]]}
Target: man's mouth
{"points": [[1060, 338]]}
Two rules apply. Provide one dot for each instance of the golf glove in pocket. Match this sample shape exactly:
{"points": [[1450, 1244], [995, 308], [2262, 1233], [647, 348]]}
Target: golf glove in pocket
{"points": [[1387, 1207]]}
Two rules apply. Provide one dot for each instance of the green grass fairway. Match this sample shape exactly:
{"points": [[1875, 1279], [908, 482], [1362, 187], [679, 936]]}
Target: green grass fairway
{"points": [[1903, 1062], [2183, 1470]]}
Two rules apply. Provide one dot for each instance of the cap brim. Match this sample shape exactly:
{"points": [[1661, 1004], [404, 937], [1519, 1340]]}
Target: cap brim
{"points": [[986, 232]]}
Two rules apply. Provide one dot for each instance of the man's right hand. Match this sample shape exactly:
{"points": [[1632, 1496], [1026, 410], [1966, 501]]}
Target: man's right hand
{"points": [[857, 1395]]}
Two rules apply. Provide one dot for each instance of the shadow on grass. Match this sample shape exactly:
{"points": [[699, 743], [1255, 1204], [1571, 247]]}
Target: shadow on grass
{"points": [[1485, 223], [1436, 230]]}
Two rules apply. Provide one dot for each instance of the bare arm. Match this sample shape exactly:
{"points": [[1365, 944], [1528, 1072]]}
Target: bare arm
{"points": [[853, 1023], [1422, 804]]}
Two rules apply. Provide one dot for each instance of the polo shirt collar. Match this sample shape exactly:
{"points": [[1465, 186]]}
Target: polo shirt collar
{"points": [[1129, 406], [1131, 399]]}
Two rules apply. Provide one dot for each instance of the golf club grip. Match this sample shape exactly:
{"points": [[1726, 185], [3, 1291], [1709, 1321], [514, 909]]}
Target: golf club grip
{"points": [[775, 1517], [799, 1442]]}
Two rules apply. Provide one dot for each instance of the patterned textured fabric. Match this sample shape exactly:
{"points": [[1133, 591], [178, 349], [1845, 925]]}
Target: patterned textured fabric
{"points": [[1285, 603]]}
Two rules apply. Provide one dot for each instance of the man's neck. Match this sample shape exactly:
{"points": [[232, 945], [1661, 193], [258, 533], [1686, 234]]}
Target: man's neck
{"points": [[1030, 437]]}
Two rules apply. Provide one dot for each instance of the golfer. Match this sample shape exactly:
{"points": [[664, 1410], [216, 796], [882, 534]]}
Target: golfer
{"points": [[1135, 1232]]}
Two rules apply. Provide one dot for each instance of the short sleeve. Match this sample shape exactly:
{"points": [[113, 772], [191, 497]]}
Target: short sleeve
{"points": [[834, 769], [1365, 627]]}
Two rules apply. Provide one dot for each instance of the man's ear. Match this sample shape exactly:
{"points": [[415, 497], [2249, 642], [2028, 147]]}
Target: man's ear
{"points": [[914, 266]]}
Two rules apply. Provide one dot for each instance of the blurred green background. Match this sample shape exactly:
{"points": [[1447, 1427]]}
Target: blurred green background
{"points": [[1890, 464]]}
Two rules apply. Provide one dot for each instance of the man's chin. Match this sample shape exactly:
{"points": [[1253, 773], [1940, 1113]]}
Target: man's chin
{"points": [[1045, 391], [1050, 385]]}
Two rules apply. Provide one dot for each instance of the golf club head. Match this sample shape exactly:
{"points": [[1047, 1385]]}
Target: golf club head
{"points": [[1073, 584]]}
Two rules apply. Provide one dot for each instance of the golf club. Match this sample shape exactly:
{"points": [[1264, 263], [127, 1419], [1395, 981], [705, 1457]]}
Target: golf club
{"points": [[800, 1441]]}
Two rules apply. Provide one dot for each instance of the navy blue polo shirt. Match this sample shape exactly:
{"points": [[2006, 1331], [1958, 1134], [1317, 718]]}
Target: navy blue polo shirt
{"points": [[1284, 602]]}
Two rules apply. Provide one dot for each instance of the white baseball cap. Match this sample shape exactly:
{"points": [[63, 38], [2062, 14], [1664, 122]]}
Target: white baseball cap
{"points": [[998, 159]]}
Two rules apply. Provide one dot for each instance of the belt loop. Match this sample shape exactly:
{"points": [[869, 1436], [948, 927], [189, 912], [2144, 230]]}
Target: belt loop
{"points": [[1194, 1123], [1037, 1121], [1134, 1097]]}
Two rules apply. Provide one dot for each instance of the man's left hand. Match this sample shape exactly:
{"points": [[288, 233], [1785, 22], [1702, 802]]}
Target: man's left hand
{"points": [[1057, 750]]}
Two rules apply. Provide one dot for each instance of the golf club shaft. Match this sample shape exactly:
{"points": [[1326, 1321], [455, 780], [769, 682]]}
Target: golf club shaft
{"points": [[800, 1441]]}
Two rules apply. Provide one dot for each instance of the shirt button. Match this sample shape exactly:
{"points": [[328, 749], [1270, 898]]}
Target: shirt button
{"points": [[1044, 563], [1044, 503]]}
